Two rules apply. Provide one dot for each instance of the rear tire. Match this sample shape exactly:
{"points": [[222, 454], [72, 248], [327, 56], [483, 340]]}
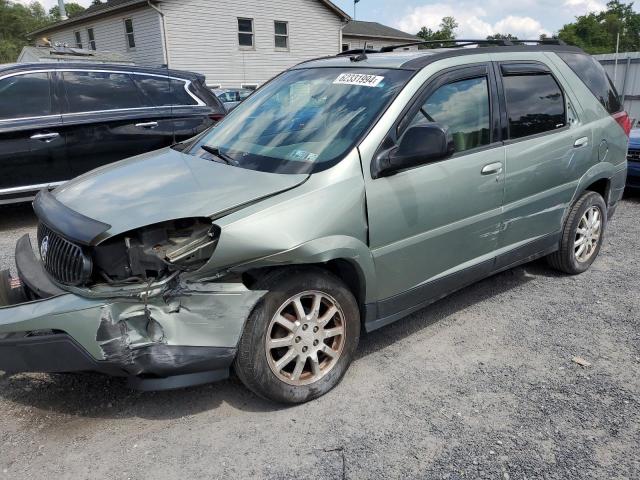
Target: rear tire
{"points": [[582, 235], [301, 338]]}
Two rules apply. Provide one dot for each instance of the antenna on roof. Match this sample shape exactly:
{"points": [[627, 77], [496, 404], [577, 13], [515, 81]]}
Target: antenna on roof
{"points": [[63, 11], [361, 56]]}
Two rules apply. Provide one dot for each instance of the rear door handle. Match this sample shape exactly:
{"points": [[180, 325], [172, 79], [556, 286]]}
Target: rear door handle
{"points": [[147, 125], [492, 168], [45, 137], [581, 142]]}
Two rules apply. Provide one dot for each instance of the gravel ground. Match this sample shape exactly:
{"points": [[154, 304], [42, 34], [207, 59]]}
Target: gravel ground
{"points": [[480, 385]]}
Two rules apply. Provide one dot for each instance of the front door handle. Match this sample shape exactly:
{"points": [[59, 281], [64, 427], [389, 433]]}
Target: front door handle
{"points": [[147, 125], [492, 168], [45, 137], [581, 142]]}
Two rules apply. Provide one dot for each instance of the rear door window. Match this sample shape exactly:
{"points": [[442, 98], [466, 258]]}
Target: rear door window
{"points": [[535, 104], [25, 96], [98, 91], [463, 108], [589, 70], [164, 91]]}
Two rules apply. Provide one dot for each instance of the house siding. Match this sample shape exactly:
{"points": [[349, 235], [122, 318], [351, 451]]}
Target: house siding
{"points": [[376, 42], [109, 35], [202, 37]]}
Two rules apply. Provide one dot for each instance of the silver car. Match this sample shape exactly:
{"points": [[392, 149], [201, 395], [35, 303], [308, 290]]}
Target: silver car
{"points": [[231, 97], [342, 196]]}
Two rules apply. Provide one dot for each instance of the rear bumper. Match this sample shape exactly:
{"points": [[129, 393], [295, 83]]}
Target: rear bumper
{"points": [[185, 335], [633, 175]]}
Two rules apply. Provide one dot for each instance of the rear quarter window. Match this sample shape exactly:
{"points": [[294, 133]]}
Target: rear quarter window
{"points": [[164, 91], [593, 75]]}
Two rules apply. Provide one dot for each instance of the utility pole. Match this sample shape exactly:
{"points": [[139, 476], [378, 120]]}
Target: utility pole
{"points": [[615, 65], [63, 11], [355, 3]]}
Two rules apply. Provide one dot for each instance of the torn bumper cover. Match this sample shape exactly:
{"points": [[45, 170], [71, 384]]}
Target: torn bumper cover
{"points": [[185, 335]]}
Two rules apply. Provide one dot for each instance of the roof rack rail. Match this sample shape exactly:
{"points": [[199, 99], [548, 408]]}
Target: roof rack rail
{"points": [[500, 42], [357, 51]]}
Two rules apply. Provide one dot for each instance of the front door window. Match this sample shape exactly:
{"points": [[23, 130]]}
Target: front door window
{"points": [[463, 108]]}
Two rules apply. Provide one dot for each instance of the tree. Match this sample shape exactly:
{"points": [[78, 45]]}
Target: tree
{"points": [[597, 32], [16, 20], [501, 36], [72, 9], [448, 26]]}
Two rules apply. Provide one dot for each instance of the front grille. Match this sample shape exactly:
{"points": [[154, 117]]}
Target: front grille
{"points": [[633, 156], [64, 261]]}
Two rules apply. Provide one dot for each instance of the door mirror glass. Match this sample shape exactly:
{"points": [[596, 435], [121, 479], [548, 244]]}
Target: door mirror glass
{"points": [[420, 144]]}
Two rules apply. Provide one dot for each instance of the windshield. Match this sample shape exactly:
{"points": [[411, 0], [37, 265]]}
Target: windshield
{"points": [[303, 121]]}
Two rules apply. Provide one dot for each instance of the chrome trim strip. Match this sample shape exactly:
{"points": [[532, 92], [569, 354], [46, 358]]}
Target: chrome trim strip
{"points": [[30, 188], [11, 201]]}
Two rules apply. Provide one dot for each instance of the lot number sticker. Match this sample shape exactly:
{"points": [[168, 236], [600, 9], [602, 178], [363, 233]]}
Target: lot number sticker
{"points": [[360, 79]]}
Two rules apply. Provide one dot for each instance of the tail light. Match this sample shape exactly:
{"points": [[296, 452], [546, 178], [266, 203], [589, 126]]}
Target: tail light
{"points": [[624, 121], [216, 117]]}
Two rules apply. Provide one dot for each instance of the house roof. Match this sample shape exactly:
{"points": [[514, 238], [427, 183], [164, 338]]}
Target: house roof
{"points": [[112, 6], [51, 54], [91, 12], [357, 28]]}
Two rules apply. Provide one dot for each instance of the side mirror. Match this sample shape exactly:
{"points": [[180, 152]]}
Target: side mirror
{"points": [[420, 144]]}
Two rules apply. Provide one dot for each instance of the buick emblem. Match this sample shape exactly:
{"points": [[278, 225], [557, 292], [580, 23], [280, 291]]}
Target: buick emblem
{"points": [[44, 248]]}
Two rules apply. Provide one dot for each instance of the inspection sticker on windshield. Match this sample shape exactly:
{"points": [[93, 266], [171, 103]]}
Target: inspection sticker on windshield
{"points": [[360, 79]]}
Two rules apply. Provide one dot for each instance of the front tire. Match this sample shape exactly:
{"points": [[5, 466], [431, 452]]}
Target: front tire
{"points": [[582, 235], [301, 338]]}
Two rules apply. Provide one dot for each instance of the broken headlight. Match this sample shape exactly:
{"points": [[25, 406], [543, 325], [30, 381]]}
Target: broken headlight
{"points": [[156, 251]]}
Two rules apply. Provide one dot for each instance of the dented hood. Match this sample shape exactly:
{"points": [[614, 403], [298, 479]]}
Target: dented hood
{"points": [[166, 185]]}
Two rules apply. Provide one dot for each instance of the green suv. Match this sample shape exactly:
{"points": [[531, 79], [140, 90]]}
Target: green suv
{"points": [[343, 195]]}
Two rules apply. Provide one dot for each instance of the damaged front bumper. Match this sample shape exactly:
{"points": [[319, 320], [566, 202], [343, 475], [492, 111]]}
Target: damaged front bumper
{"points": [[182, 334]]}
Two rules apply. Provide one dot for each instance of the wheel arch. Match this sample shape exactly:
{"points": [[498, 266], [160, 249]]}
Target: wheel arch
{"points": [[596, 179], [601, 186], [345, 257]]}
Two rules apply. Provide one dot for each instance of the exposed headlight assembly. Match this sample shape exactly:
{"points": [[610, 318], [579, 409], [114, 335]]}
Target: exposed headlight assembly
{"points": [[157, 250]]}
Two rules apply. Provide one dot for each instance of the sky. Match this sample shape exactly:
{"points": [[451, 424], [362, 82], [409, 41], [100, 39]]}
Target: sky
{"points": [[477, 18]]}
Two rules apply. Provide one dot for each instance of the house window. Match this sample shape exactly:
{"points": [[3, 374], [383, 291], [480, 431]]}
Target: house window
{"points": [[245, 32], [346, 47], [128, 30], [249, 86], [92, 38], [78, 37], [282, 35]]}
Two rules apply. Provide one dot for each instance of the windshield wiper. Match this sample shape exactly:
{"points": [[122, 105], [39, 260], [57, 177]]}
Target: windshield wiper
{"points": [[215, 151]]}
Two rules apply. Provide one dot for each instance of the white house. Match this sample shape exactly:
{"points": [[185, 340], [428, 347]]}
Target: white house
{"points": [[356, 33], [235, 44]]}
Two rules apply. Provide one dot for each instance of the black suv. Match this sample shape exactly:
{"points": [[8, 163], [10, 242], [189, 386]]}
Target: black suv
{"points": [[60, 120]]}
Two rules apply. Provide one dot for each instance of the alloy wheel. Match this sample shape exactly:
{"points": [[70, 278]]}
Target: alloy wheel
{"points": [[588, 234], [305, 338]]}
